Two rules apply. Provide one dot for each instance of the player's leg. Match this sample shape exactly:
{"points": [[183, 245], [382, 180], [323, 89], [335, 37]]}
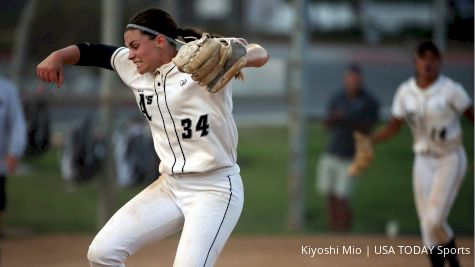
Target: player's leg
{"points": [[325, 186], [423, 177], [323, 175], [449, 174], [332, 211], [150, 216], [422, 183], [436, 183], [344, 185], [452, 258], [212, 209]]}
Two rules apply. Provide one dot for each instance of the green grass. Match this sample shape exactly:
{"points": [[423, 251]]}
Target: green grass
{"points": [[42, 202]]}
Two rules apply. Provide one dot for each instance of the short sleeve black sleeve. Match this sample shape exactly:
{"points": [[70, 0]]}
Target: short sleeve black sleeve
{"points": [[98, 55]]}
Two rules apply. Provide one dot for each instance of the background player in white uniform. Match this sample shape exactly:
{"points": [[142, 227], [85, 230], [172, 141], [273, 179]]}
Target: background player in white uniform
{"points": [[200, 190], [431, 104]]}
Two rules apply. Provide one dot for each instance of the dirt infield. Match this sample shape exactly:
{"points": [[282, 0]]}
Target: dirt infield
{"points": [[293, 251]]}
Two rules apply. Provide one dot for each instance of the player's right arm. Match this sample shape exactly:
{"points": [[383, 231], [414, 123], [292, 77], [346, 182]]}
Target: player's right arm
{"points": [[392, 127], [51, 69]]}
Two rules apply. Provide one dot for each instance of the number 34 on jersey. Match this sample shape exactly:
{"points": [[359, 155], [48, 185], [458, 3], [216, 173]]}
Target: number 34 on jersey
{"points": [[201, 126]]}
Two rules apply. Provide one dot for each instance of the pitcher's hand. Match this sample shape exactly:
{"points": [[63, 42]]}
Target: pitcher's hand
{"points": [[51, 69]]}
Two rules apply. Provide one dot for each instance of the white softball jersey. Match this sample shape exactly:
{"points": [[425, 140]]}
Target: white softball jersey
{"points": [[193, 130], [432, 114], [200, 190]]}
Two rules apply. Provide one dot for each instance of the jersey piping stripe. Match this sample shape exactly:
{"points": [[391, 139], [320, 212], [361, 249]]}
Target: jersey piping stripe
{"points": [[165, 127], [419, 120], [224, 216], [115, 55], [424, 124], [173, 121]]}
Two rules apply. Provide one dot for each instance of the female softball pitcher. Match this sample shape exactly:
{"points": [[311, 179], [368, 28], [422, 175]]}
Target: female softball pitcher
{"points": [[200, 191], [431, 104]]}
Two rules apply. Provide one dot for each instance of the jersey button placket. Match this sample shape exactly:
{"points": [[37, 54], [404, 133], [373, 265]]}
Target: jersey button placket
{"points": [[159, 81]]}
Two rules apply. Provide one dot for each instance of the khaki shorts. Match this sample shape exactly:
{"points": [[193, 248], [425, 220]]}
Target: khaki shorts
{"points": [[332, 176]]}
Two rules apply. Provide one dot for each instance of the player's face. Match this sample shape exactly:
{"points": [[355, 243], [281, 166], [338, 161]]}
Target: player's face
{"points": [[143, 51], [428, 66], [352, 82]]}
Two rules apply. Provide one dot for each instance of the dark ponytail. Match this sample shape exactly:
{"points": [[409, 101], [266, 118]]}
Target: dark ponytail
{"points": [[189, 32], [160, 21], [157, 20]]}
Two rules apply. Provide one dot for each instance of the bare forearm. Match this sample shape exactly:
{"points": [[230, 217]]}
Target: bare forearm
{"points": [[256, 55], [69, 55], [51, 68], [387, 132]]}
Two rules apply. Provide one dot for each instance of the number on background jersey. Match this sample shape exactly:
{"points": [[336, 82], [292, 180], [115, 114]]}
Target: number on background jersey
{"points": [[143, 107], [202, 126], [438, 135]]}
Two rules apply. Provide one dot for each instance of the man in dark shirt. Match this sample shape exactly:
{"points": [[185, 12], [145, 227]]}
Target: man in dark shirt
{"points": [[351, 109]]}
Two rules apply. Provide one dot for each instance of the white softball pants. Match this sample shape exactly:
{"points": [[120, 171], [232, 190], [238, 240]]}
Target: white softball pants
{"points": [[205, 208], [436, 182]]}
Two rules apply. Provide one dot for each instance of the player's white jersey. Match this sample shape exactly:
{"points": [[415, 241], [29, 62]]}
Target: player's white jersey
{"points": [[193, 130], [432, 113]]}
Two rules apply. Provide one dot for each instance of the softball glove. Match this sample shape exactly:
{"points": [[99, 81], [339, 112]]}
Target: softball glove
{"points": [[213, 62], [363, 154]]}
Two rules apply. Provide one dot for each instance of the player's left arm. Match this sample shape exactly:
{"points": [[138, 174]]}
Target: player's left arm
{"points": [[392, 127], [468, 113], [461, 102]]}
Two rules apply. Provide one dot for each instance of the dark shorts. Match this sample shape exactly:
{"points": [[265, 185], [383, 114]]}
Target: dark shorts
{"points": [[3, 195]]}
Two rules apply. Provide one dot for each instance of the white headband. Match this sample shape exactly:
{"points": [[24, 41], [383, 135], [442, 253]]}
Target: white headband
{"points": [[145, 29]]}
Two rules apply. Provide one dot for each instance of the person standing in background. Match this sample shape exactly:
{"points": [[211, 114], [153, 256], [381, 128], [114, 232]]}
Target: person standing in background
{"points": [[12, 137], [351, 109]]}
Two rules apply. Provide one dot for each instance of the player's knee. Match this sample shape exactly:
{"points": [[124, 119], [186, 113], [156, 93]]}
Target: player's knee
{"points": [[95, 254], [102, 255]]}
